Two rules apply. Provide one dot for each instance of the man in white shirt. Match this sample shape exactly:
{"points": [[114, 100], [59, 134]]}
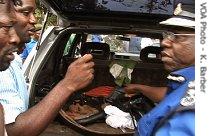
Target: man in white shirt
{"points": [[8, 44]]}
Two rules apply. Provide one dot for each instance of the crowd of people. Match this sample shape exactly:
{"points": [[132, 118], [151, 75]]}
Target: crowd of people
{"points": [[17, 24], [174, 115]]}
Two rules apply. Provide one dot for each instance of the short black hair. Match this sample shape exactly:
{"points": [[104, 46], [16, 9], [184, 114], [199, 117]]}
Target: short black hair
{"points": [[18, 2]]}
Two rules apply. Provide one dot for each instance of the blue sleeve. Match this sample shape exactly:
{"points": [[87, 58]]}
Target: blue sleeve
{"points": [[24, 54], [181, 124], [27, 50], [30, 46]]}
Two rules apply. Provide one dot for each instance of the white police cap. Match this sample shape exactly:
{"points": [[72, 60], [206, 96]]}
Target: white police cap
{"points": [[181, 18]]}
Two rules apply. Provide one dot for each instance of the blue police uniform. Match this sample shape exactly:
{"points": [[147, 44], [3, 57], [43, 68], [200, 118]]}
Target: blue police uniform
{"points": [[180, 124]]}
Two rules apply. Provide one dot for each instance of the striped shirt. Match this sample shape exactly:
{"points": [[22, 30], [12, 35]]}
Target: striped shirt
{"points": [[13, 91]]}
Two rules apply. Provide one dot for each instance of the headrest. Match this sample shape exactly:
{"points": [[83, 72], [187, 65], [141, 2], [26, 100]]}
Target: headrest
{"points": [[144, 54], [97, 49]]}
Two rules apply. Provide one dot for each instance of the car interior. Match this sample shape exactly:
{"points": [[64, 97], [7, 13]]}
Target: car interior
{"points": [[148, 70]]}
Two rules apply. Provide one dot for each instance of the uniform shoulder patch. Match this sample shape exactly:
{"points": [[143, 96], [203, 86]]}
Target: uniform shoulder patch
{"points": [[189, 98]]}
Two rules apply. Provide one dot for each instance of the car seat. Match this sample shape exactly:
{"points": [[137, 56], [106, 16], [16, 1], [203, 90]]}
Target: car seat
{"points": [[151, 50]]}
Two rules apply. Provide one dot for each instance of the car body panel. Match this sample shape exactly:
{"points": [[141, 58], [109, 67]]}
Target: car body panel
{"points": [[112, 12]]}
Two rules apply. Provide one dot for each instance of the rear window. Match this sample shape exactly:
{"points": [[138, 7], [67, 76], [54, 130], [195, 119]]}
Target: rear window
{"points": [[122, 46], [125, 44]]}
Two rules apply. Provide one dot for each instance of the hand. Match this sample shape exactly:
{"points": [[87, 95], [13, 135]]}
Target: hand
{"points": [[79, 73], [156, 94], [132, 88]]}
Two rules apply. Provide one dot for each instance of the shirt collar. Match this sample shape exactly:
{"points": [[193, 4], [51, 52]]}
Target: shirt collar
{"points": [[187, 73]]}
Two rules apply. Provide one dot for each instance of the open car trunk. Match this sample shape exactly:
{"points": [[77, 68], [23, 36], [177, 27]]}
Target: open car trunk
{"points": [[107, 12], [52, 66], [118, 21]]}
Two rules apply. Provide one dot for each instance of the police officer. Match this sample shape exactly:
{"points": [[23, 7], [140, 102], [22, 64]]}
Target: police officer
{"points": [[175, 115]]}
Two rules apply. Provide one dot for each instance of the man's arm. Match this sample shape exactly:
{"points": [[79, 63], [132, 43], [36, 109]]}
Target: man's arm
{"points": [[37, 118], [156, 94], [1, 121]]}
